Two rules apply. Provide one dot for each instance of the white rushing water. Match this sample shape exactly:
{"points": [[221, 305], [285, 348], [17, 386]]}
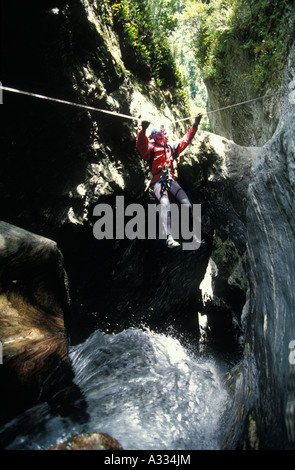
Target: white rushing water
{"points": [[144, 389]]}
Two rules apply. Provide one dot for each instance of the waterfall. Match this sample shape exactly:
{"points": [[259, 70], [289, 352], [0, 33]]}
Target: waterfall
{"points": [[145, 389]]}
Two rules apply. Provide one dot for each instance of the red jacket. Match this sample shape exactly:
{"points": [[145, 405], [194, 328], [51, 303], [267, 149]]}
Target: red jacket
{"points": [[157, 156]]}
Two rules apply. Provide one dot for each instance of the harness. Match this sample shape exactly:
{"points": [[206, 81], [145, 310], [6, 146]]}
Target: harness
{"points": [[166, 176]]}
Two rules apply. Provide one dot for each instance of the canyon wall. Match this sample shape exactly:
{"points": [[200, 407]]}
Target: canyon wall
{"points": [[264, 381]]}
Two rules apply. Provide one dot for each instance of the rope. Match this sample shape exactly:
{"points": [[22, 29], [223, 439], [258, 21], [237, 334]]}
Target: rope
{"points": [[230, 106], [57, 100], [114, 113]]}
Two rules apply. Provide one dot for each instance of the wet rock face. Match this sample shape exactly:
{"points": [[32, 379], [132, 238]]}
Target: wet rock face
{"points": [[266, 376], [95, 441], [65, 158], [251, 124], [58, 53], [33, 303], [217, 173], [272, 274], [32, 266]]}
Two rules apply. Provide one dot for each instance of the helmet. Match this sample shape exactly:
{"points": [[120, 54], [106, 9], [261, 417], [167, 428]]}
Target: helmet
{"points": [[156, 132]]}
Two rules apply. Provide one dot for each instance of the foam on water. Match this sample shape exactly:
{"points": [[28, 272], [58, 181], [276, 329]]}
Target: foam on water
{"points": [[144, 389], [148, 392]]}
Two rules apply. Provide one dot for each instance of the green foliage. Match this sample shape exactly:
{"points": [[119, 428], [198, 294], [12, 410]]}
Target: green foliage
{"points": [[269, 36], [209, 23], [193, 81], [265, 28], [165, 13], [145, 49]]}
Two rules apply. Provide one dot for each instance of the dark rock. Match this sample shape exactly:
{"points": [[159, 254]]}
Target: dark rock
{"points": [[265, 379], [95, 441], [33, 302], [217, 173], [131, 283]]}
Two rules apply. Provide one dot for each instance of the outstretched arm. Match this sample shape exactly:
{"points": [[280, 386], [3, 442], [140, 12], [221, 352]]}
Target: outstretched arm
{"points": [[197, 120], [142, 142], [188, 137]]}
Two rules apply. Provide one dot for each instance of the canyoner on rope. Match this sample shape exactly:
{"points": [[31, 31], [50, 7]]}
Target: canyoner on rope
{"points": [[160, 157]]}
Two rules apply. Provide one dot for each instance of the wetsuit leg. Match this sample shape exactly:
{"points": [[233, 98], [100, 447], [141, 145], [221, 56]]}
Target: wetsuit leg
{"points": [[162, 196], [179, 194], [182, 198]]}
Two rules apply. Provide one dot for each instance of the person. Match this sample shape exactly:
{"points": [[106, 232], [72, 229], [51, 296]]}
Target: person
{"points": [[160, 157]]}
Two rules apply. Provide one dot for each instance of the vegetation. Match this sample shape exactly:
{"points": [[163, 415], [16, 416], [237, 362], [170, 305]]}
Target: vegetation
{"points": [[265, 28], [193, 80], [141, 26], [154, 44], [181, 42]]}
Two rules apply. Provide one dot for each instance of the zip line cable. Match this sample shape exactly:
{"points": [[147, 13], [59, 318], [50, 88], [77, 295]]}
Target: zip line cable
{"points": [[231, 106], [57, 100], [114, 113]]}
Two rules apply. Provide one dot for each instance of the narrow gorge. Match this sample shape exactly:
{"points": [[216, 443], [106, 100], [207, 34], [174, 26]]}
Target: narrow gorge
{"points": [[146, 347]]}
